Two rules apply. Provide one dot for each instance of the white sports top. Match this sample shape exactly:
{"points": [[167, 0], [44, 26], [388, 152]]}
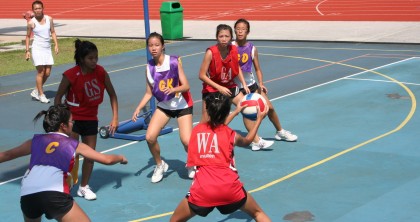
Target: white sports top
{"points": [[42, 33]]}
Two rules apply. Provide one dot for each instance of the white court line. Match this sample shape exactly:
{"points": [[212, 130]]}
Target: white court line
{"points": [[345, 77], [317, 7], [377, 80], [303, 90]]}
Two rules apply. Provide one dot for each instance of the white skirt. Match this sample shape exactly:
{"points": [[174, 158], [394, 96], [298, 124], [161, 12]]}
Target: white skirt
{"points": [[42, 56]]}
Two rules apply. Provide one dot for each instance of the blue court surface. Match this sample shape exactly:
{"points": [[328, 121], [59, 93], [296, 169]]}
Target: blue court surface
{"points": [[353, 106]]}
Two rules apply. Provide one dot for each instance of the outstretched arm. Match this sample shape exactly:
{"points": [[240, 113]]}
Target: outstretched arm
{"points": [[232, 115], [21, 150], [107, 159]]}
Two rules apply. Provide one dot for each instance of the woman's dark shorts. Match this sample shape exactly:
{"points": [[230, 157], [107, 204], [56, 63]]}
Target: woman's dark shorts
{"points": [[234, 92], [223, 209], [177, 113], [252, 88], [85, 127], [53, 204]]}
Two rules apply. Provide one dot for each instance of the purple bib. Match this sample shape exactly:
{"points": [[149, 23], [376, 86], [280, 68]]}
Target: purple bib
{"points": [[245, 57], [169, 78], [52, 150]]}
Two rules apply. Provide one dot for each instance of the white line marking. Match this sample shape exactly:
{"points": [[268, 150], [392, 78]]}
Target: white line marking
{"points": [[346, 77], [377, 80], [317, 7]]}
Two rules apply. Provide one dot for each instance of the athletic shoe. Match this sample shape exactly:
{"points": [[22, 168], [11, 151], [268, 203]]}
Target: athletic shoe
{"points": [[285, 135], [158, 172], [34, 94], [86, 192], [191, 172], [43, 99], [262, 144]]}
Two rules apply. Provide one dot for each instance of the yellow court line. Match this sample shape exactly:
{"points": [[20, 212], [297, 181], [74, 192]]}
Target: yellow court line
{"points": [[348, 49], [400, 126]]}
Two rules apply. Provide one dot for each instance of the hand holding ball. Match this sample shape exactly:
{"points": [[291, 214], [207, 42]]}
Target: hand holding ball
{"points": [[253, 100]]}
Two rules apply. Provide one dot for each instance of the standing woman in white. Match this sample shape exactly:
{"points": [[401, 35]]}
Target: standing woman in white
{"points": [[42, 27]]}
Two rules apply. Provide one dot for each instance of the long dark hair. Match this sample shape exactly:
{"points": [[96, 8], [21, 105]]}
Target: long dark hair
{"points": [[53, 117], [83, 48], [218, 108]]}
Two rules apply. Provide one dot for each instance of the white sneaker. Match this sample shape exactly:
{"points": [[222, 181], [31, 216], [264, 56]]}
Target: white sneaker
{"points": [[158, 172], [86, 192], [285, 135], [191, 172], [262, 144], [43, 99], [34, 94]]}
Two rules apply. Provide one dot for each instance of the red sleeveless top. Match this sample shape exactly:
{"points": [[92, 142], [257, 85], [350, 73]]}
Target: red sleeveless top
{"points": [[222, 71], [86, 92]]}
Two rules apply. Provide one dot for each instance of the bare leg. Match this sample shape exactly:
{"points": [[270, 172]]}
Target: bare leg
{"points": [[75, 214], [87, 166], [40, 79], [182, 212], [158, 121], [43, 72], [252, 208], [47, 74], [272, 115], [185, 128]]}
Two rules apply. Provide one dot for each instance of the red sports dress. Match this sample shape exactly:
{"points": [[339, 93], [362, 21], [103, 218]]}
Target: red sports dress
{"points": [[86, 92], [222, 71], [216, 181]]}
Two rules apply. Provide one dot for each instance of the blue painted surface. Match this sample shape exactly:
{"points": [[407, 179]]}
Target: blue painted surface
{"points": [[376, 180]]}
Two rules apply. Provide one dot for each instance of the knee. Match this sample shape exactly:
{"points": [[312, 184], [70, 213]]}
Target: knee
{"points": [[151, 139]]}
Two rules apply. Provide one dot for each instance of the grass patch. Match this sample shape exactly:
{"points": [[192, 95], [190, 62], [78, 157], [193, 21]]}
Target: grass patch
{"points": [[12, 62]]}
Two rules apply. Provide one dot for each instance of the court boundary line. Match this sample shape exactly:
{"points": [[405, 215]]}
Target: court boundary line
{"points": [[290, 175], [294, 173], [376, 80]]}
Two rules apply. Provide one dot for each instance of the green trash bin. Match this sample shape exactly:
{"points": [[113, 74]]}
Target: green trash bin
{"points": [[171, 19]]}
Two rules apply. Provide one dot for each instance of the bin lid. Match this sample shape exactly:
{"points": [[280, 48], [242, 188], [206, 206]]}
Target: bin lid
{"points": [[171, 6]]}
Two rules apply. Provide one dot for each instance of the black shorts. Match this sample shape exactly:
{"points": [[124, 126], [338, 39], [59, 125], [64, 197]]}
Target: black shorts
{"points": [[252, 88], [234, 92], [53, 204], [223, 209], [177, 113], [85, 127]]}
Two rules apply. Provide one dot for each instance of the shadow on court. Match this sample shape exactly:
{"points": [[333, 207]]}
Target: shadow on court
{"points": [[353, 106]]}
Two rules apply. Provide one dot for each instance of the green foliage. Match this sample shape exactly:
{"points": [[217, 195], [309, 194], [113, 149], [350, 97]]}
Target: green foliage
{"points": [[12, 62]]}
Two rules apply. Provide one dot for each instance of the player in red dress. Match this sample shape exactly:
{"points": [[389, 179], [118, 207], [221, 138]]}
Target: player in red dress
{"points": [[84, 86], [218, 71], [216, 183]]}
